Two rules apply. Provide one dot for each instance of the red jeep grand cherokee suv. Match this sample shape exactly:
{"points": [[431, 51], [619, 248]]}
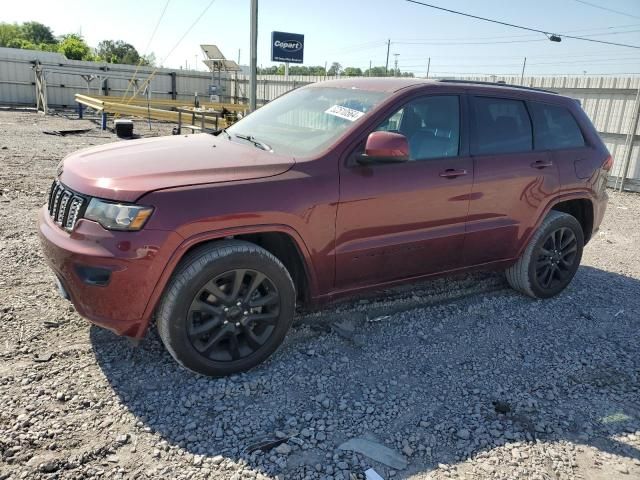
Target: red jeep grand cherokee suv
{"points": [[331, 189]]}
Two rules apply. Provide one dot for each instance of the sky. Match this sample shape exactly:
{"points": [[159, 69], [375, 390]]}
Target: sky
{"points": [[355, 32]]}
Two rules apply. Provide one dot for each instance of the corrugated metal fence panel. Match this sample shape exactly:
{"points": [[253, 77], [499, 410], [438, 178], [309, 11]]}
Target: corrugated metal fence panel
{"points": [[268, 86], [17, 79], [609, 101]]}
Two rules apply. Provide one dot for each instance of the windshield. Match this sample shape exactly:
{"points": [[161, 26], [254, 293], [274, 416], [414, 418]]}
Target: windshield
{"points": [[306, 121]]}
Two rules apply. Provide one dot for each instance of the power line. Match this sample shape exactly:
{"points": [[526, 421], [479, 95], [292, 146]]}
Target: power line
{"points": [[195, 22], [571, 62], [591, 31], [607, 9], [153, 34], [148, 79], [505, 41], [146, 49], [548, 34], [564, 55]]}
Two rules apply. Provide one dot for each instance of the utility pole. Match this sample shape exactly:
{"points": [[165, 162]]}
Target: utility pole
{"points": [[369, 68], [524, 64], [196, 62], [253, 64], [428, 66], [386, 66], [395, 64], [633, 127]]}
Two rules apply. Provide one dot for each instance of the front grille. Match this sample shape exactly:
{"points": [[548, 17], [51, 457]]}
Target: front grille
{"points": [[65, 205]]}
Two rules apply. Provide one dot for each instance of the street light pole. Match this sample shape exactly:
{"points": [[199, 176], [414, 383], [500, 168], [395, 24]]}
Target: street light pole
{"points": [[386, 66], [253, 63]]}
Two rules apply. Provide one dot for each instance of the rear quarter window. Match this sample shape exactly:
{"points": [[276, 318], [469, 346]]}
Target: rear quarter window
{"points": [[555, 128]]}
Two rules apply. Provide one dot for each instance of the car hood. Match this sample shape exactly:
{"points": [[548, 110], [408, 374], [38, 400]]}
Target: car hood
{"points": [[127, 170]]}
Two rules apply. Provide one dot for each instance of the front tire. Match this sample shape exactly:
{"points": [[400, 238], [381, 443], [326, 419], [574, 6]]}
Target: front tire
{"points": [[226, 309], [551, 258]]}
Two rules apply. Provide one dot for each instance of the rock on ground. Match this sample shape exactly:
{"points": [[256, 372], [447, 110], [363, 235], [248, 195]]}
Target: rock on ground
{"points": [[463, 377]]}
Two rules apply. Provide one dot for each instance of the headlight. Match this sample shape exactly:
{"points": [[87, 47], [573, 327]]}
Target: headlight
{"points": [[117, 216]]}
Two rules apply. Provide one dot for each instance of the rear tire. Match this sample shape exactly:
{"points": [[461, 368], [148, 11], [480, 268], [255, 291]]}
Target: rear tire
{"points": [[226, 309], [551, 258]]}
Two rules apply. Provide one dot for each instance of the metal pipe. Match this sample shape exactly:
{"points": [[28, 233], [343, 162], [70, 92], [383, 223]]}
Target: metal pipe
{"points": [[386, 65], [629, 143], [253, 64]]}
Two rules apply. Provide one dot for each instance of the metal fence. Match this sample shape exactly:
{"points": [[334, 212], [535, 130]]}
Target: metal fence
{"points": [[64, 78], [612, 103]]}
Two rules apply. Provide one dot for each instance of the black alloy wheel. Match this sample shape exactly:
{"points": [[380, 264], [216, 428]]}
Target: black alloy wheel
{"points": [[556, 258], [551, 258], [233, 315], [227, 308]]}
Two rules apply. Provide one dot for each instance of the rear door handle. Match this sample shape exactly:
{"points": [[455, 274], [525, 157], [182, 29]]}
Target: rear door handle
{"points": [[452, 173], [542, 164]]}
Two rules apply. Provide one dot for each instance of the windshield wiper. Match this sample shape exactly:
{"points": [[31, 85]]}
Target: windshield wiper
{"points": [[222, 130], [252, 139]]}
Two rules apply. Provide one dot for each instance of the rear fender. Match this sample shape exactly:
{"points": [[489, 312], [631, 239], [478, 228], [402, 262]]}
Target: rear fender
{"points": [[577, 195]]}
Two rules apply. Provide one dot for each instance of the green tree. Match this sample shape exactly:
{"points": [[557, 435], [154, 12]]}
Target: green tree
{"points": [[377, 72], [10, 33], [37, 33], [74, 47], [272, 70], [352, 72], [117, 51], [335, 69]]}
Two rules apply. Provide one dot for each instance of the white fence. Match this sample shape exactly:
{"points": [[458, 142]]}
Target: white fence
{"points": [[65, 78], [611, 102]]}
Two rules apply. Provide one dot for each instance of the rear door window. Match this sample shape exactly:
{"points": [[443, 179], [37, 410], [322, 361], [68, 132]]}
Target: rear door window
{"points": [[502, 125], [555, 127]]}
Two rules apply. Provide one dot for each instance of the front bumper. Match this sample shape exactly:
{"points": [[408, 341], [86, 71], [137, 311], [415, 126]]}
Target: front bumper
{"points": [[129, 265]]}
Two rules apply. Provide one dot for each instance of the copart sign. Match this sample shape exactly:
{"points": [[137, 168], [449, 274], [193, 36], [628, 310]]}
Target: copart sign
{"points": [[287, 47]]}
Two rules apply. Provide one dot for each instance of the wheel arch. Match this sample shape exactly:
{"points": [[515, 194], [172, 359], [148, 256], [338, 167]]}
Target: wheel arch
{"points": [[581, 208], [579, 201], [280, 240]]}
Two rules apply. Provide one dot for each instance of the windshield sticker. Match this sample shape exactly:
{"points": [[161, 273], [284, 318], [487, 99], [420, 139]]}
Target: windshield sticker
{"points": [[344, 112]]}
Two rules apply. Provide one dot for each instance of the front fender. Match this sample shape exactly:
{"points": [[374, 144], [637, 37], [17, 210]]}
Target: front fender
{"points": [[207, 236]]}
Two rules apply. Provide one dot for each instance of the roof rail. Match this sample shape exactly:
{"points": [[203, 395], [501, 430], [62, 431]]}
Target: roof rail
{"points": [[495, 84]]}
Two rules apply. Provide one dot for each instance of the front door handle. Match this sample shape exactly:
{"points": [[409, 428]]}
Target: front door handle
{"points": [[542, 164], [452, 173]]}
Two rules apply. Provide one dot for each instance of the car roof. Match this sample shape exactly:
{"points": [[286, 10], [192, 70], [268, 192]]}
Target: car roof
{"points": [[380, 84], [395, 84]]}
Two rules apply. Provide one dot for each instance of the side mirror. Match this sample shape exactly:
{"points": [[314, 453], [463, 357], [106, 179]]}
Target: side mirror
{"points": [[385, 147]]}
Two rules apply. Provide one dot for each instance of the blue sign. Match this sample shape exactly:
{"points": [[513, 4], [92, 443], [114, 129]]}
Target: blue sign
{"points": [[287, 47]]}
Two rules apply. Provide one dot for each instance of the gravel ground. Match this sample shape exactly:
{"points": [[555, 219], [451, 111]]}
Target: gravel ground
{"points": [[462, 378]]}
